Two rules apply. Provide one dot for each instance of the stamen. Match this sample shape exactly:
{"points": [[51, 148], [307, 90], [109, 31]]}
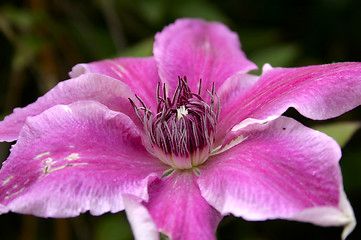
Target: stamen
{"points": [[200, 86], [182, 132]]}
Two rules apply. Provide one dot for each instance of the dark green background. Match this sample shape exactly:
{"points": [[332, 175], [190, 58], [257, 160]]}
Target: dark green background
{"points": [[41, 40]]}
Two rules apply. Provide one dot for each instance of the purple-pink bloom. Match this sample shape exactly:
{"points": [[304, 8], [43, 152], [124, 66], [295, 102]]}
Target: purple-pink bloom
{"points": [[180, 139]]}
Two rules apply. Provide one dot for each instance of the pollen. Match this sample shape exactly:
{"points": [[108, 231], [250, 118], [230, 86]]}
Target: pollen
{"points": [[181, 111], [15, 193], [41, 155], [48, 161], [117, 68], [7, 180], [72, 156]]}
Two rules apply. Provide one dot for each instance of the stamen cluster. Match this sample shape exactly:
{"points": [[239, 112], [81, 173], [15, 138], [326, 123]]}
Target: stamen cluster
{"points": [[183, 126]]}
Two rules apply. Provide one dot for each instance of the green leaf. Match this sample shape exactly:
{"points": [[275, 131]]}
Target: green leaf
{"points": [[163, 237], [154, 12], [340, 131], [141, 49], [198, 9], [26, 51], [113, 227], [254, 39], [20, 17], [351, 169], [278, 55], [168, 172]]}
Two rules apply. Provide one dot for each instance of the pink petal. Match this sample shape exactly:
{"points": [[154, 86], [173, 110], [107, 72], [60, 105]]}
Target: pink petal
{"points": [[3, 209], [281, 170], [141, 222], [108, 91], [74, 158], [231, 91], [234, 87], [199, 50], [140, 74], [179, 210], [317, 92], [329, 216]]}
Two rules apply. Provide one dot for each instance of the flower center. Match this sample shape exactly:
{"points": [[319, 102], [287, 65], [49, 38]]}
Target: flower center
{"points": [[182, 132]]}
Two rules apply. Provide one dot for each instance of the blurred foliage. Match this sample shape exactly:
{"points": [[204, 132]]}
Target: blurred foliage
{"points": [[40, 40], [113, 227], [340, 131]]}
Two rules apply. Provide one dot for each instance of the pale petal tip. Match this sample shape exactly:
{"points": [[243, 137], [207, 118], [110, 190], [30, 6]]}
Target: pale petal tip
{"points": [[3, 209], [331, 216], [77, 70], [266, 67], [348, 229], [346, 207], [140, 220]]}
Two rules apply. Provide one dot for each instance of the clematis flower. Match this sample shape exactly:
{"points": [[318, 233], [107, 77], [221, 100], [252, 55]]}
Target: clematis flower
{"points": [[181, 139]]}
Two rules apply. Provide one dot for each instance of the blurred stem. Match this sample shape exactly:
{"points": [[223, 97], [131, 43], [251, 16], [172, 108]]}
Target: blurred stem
{"points": [[16, 86], [62, 229], [46, 67], [114, 24], [28, 228], [81, 227]]}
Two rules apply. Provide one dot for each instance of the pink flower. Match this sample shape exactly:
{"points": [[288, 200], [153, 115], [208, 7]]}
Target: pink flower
{"points": [[145, 135]]}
